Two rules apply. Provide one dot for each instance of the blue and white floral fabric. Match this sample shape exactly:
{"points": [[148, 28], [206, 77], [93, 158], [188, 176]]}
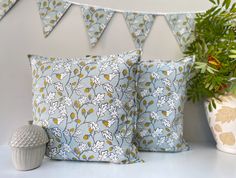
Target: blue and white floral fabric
{"points": [[161, 98], [96, 21], [182, 26], [87, 106], [51, 12], [5, 6], [139, 26]]}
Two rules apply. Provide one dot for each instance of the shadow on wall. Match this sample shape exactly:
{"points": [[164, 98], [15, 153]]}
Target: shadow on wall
{"points": [[194, 120]]}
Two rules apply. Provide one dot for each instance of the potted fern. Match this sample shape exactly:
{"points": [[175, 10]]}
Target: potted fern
{"points": [[214, 72]]}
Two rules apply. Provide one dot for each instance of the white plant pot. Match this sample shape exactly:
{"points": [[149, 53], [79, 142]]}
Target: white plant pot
{"points": [[222, 122]]}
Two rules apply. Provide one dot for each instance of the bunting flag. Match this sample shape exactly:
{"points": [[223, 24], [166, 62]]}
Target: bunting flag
{"points": [[182, 26], [51, 12], [96, 21], [139, 26], [5, 6]]}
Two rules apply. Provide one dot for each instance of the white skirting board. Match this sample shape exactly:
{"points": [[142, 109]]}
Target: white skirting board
{"points": [[203, 161]]}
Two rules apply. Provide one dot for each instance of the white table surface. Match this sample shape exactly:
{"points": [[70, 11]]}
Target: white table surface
{"points": [[203, 161]]}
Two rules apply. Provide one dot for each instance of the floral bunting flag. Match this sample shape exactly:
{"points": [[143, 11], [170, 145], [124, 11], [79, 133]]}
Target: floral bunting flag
{"points": [[5, 6], [182, 26], [139, 26], [51, 12], [96, 21]]}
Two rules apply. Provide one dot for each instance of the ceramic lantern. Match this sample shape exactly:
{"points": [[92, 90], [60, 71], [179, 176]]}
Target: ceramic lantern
{"points": [[28, 144]]}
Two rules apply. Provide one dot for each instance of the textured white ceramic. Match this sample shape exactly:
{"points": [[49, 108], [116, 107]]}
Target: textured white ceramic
{"points": [[222, 122], [28, 136], [28, 145], [28, 158]]}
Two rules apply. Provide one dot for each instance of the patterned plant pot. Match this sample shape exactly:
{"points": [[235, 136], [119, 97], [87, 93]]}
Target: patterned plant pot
{"points": [[222, 122]]}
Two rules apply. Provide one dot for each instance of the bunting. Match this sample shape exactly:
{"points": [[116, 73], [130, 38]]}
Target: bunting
{"points": [[96, 21], [182, 26], [5, 6], [51, 12], [139, 26]]}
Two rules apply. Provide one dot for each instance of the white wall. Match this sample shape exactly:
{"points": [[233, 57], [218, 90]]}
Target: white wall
{"points": [[21, 34]]}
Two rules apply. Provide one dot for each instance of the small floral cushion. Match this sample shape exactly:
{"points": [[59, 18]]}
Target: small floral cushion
{"points": [[161, 98], [87, 106]]}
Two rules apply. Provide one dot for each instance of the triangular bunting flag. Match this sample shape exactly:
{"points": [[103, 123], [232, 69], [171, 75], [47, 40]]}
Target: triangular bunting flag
{"points": [[139, 26], [182, 26], [5, 6], [51, 12], [96, 21]]}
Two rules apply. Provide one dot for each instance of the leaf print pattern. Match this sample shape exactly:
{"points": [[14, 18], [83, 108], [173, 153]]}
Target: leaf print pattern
{"points": [[96, 21], [228, 138], [51, 12], [161, 96], [226, 114], [83, 116], [182, 26], [139, 26], [5, 6]]}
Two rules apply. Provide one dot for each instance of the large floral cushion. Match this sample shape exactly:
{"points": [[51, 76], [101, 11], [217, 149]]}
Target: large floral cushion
{"points": [[161, 96], [87, 106]]}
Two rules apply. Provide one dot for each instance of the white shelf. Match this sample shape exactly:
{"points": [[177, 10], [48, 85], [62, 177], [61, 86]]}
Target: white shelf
{"points": [[203, 161]]}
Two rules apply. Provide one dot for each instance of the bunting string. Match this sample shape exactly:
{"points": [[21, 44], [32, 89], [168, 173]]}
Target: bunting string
{"points": [[137, 12], [97, 18]]}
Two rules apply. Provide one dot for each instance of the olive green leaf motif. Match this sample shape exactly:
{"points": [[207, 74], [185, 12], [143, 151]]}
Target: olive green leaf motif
{"points": [[5, 6], [51, 12], [161, 89], [87, 106], [96, 21], [182, 26], [139, 26]]}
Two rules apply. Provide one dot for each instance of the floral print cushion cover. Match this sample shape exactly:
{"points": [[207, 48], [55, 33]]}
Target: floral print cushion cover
{"points": [[161, 96], [87, 106]]}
